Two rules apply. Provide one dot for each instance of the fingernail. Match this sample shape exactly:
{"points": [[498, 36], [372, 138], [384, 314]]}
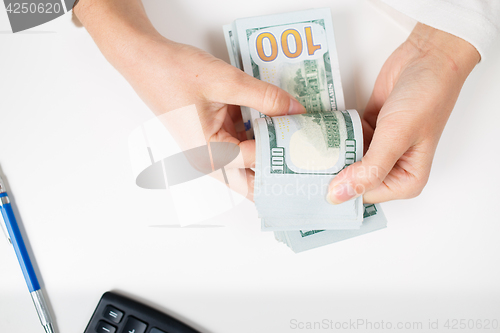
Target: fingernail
{"points": [[340, 193], [295, 107]]}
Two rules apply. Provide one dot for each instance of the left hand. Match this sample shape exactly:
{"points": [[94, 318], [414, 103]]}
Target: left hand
{"points": [[413, 97]]}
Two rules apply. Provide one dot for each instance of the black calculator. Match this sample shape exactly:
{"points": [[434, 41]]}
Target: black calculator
{"points": [[119, 314]]}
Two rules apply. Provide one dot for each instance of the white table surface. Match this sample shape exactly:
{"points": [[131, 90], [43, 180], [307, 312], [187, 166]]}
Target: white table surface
{"points": [[65, 119]]}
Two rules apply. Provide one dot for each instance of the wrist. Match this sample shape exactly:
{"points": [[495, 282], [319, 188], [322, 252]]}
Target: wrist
{"points": [[451, 52], [121, 29]]}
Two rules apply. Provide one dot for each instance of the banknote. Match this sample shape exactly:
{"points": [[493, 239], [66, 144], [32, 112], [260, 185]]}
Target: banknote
{"points": [[294, 51], [297, 156], [298, 241]]}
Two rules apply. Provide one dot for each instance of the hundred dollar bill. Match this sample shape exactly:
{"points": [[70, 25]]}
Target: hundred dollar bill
{"points": [[297, 156], [298, 241], [294, 51]]}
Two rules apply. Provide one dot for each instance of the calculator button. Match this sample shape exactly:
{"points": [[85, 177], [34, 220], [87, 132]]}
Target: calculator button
{"points": [[104, 327], [155, 330], [113, 314], [134, 326]]}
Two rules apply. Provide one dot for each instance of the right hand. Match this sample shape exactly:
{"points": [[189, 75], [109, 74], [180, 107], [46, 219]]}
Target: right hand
{"points": [[169, 75]]}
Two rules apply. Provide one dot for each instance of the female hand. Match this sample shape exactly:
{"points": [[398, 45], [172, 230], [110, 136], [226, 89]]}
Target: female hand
{"points": [[413, 97], [169, 75]]}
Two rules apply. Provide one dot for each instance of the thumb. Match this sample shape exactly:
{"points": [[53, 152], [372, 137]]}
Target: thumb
{"points": [[242, 89], [389, 143]]}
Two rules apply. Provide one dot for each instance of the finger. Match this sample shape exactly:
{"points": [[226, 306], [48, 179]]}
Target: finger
{"points": [[246, 158], [367, 135], [381, 91], [373, 107], [408, 176], [245, 154], [234, 112], [396, 182], [250, 175], [239, 126], [241, 134], [228, 126], [391, 140], [239, 88], [239, 180]]}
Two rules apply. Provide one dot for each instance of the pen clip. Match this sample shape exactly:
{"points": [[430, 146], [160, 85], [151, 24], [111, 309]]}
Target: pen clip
{"points": [[4, 225]]}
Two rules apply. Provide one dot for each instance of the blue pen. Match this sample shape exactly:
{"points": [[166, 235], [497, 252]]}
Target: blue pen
{"points": [[14, 236]]}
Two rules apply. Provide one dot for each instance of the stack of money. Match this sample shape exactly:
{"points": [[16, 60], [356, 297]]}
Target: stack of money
{"points": [[303, 240], [297, 156]]}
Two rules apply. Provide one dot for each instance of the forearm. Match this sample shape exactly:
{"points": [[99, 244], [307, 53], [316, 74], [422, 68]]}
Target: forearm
{"points": [[120, 28]]}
